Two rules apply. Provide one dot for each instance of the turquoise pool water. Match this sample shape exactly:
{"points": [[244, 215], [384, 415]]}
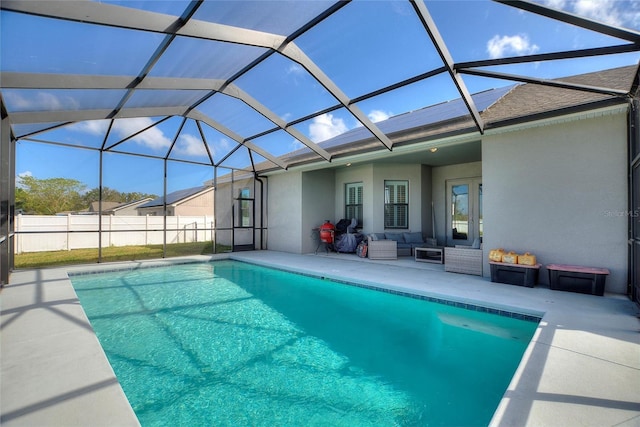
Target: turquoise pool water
{"points": [[233, 344]]}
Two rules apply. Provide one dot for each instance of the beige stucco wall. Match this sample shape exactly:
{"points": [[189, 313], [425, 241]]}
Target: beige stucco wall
{"points": [[318, 188], [156, 211], [128, 211], [556, 190], [285, 212], [200, 205]]}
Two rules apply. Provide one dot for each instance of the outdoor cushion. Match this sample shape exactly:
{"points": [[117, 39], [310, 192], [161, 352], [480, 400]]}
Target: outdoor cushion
{"points": [[415, 237], [398, 237]]}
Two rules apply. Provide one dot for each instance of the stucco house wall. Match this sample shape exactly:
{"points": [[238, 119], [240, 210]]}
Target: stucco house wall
{"points": [[156, 211], [127, 211], [426, 198], [285, 212], [199, 205], [318, 189], [560, 192]]}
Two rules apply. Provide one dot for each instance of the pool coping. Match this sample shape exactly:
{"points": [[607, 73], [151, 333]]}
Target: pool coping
{"points": [[552, 386]]}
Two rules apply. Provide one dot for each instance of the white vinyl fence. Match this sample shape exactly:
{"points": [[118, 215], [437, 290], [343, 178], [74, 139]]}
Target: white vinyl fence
{"points": [[38, 233]]}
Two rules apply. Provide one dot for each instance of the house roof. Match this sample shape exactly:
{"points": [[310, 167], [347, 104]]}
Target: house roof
{"points": [[424, 117], [498, 107], [176, 197], [528, 101]]}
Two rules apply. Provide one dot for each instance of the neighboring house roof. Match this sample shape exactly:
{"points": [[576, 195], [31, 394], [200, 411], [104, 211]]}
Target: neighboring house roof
{"points": [[114, 206], [135, 203], [177, 197], [497, 107]]}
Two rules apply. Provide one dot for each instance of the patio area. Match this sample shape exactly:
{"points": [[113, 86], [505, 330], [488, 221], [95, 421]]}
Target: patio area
{"points": [[582, 367]]}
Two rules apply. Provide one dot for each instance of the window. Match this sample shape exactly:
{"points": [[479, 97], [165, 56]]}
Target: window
{"points": [[353, 202], [396, 204]]}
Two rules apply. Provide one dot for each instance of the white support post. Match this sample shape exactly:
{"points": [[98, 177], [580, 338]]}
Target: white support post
{"points": [[68, 232]]}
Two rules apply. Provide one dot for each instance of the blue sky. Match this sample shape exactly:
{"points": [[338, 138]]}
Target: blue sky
{"points": [[359, 50]]}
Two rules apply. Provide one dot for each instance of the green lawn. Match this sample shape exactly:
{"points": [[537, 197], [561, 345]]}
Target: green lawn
{"points": [[110, 254]]}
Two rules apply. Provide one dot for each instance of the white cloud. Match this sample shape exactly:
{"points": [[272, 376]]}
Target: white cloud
{"points": [[295, 69], [326, 126], [378, 115], [223, 146], [600, 10], [93, 127], [153, 138], [190, 145], [611, 12], [556, 4], [295, 145], [40, 101], [25, 173], [500, 46]]}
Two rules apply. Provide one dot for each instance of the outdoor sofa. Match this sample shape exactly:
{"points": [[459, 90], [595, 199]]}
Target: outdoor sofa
{"points": [[393, 245]]}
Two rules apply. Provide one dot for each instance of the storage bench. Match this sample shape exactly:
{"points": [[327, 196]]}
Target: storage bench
{"points": [[575, 278], [514, 274]]}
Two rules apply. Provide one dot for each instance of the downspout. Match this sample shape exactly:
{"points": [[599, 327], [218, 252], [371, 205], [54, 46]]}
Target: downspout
{"points": [[262, 209], [164, 211], [632, 198]]}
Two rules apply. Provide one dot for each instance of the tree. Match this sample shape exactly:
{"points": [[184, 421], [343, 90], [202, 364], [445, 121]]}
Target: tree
{"points": [[108, 195], [49, 196], [21, 199], [111, 195], [132, 197]]}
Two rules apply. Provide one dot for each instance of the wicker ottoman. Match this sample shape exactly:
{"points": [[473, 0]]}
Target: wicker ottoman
{"points": [[382, 249], [463, 260]]}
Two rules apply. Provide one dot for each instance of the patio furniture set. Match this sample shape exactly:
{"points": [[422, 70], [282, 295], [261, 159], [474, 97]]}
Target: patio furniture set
{"points": [[459, 259], [469, 260]]}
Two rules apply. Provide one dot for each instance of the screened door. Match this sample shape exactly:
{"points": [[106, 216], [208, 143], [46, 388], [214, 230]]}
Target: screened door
{"points": [[464, 211], [243, 222]]}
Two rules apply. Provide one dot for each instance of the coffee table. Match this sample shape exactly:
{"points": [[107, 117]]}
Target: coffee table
{"points": [[433, 254]]}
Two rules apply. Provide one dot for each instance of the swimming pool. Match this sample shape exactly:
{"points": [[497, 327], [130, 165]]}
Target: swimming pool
{"points": [[230, 343]]}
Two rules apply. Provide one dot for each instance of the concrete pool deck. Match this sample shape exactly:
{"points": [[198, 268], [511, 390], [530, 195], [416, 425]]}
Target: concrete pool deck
{"points": [[581, 368]]}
